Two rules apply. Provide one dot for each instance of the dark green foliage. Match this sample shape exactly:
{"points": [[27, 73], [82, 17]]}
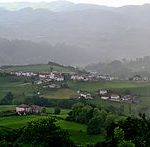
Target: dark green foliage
{"points": [[51, 64], [86, 114], [81, 113], [57, 110], [7, 113], [43, 110], [97, 123], [36, 100], [7, 100], [49, 102], [43, 132], [8, 136], [135, 129], [95, 126]]}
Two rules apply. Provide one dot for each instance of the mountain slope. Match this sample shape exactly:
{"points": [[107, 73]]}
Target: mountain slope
{"points": [[91, 34]]}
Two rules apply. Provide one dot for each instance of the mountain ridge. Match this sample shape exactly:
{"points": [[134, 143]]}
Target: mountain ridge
{"points": [[96, 34]]}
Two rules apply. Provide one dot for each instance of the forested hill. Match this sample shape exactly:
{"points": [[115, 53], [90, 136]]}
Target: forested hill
{"points": [[124, 68], [27, 52], [77, 36]]}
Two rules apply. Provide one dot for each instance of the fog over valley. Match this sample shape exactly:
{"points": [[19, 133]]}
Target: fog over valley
{"points": [[76, 34]]}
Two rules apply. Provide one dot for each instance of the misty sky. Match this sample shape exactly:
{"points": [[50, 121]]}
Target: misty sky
{"points": [[115, 3]]}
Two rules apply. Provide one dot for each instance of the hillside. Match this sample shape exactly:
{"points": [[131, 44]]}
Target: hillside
{"points": [[22, 52], [123, 68], [78, 36], [39, 68]]}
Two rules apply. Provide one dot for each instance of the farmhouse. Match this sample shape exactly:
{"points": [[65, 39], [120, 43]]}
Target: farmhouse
{"points": [[115, 97], [137, 78], [104, 97], [84, 95], [129, 98], [54, 85], [24, 109], [52, 76], [103, 92], [25, 74]]}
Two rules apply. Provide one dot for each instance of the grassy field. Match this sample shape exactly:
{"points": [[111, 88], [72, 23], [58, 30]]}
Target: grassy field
{"points": [[59, 94], [38, 68], [7, 107], [22, 90], [93, 86], [77, 131]]}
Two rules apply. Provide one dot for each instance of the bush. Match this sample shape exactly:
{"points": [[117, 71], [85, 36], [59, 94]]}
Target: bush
{"points": [[57, 111], [44, 132]]}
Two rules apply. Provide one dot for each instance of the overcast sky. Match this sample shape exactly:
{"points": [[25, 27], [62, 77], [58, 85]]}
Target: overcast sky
{"points": [[114, 3]]}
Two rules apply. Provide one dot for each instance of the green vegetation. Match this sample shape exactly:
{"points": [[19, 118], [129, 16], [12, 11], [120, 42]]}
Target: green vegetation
{"points": [[77, 131], [58, 94], [80, 122], [23, 89], [38, 68]]}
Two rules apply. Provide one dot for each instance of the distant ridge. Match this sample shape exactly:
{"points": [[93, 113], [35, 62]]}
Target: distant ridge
{"points": [[74, 37], [55, 6]]}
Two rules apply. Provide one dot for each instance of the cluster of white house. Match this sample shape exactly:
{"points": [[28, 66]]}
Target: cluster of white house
{"points": [[92, 77], [106, 95], [56, 76], [54, 85], [139, 78], [84, 95], [86, 76]]}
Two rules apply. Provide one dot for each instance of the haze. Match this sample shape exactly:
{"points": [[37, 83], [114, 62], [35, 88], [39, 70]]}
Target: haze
{"points": [[69, 33], [114, 3]]}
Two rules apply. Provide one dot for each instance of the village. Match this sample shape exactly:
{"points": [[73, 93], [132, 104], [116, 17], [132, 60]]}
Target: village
{"points": [[56, 80], [79, 76], [107, 95]]}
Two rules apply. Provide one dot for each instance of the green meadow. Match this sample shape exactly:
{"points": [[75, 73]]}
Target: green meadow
{"points": [[37, 68], [21, 90], [77, 131]]}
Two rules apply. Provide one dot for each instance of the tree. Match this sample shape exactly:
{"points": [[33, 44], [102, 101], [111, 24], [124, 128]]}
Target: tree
{"points": [[57, 111], [95, 126], [119, 136], [43, 110], [136, 130], [81, 113], [44, 132], [7, 100], [110, 119]]}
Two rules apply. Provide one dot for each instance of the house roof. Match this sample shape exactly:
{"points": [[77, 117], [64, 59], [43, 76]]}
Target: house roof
{"points": [[23, 106], [35, 107]]}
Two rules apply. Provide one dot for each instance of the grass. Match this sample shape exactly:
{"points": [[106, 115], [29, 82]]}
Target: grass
{"points": [[93, 86], [21, 90], [77, 131], [7, 107], [18, 121], [59, 94], [38, 68]]}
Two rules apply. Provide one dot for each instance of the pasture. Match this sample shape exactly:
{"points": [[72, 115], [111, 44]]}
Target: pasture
{"points": [[77, 131], [38, 68]]}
